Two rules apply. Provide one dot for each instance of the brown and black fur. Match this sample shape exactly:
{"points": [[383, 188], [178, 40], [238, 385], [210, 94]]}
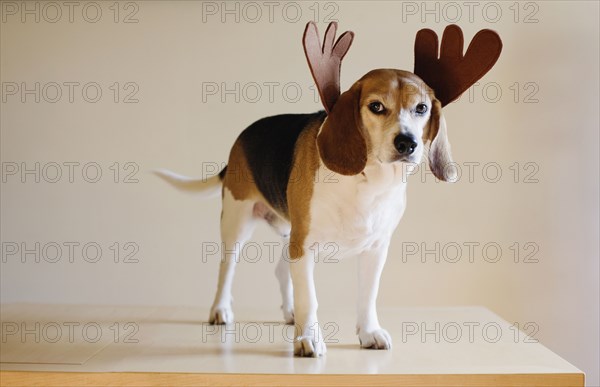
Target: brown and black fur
{"points": [[262, 158]]}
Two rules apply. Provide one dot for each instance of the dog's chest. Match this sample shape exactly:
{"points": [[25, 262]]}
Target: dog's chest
{"points": [[357, 212]]}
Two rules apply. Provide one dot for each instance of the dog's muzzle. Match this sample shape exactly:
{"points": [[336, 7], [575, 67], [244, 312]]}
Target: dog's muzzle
{"points": [[405, 144]]}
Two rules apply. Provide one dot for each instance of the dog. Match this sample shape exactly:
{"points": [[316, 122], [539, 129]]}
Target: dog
{"points": [[333, 176]]}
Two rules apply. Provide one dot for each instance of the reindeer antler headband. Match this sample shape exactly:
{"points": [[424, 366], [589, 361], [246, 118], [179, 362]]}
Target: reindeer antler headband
{"points": [[449, 74], [326, 62]]}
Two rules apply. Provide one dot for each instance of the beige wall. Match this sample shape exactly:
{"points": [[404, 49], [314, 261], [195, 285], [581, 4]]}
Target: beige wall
{"points": [[541, 134]]}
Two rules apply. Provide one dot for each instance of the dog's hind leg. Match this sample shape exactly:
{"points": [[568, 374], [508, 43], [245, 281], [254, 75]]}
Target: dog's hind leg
{"points": [[282, 271], [237, 225]]}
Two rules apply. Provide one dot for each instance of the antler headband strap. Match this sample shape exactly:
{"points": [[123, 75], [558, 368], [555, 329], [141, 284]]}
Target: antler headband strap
{"points": [[450, 74], [453, 73], [325, 62]]}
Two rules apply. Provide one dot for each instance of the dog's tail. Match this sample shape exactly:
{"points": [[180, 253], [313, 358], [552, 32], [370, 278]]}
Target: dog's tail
{"points": [[204, 187]]}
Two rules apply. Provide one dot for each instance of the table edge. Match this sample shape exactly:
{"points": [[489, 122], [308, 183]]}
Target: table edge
{"points": [[43, 378]]}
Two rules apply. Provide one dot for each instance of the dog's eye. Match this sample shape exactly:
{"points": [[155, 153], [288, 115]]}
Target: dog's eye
{"points": [[376, 107], [421, 109]]}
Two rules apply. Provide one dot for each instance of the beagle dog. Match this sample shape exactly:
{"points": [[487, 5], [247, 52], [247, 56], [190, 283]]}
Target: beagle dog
{"points": [[336, 176]]}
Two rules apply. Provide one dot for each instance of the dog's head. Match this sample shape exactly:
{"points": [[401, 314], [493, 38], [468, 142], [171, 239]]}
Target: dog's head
{"points": [[387, 116]]}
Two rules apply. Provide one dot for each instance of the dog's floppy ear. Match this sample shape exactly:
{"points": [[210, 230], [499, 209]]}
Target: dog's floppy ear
{"points": [[341, 144], [440, 158]]}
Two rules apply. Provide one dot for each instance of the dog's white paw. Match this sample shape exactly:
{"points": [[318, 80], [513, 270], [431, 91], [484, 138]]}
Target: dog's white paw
{"points": [[375, 339], [288, 314], [310, 344], [220, 315]]}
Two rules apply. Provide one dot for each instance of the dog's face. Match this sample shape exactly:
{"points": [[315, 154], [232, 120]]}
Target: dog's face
{"points": [[387, 116], [395, 108]]}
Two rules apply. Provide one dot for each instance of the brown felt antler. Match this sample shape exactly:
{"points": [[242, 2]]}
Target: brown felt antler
{"points": [[453, 73], [325, 62]]}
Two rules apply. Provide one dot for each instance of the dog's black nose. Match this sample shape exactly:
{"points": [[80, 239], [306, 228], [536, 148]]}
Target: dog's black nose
{"points": [[405, 144]]}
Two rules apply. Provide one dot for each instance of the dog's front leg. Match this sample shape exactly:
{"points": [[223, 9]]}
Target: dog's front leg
{"points": [[370, 333], [309, 337]]}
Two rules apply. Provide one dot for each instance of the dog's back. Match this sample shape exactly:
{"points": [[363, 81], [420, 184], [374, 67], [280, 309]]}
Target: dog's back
{"points": [[263, 155]]}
